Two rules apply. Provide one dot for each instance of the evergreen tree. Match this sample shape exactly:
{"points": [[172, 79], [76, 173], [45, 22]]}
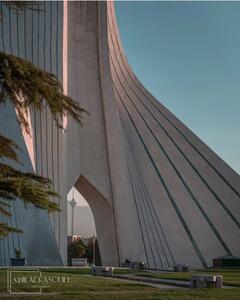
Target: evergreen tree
{"points": [[24, 85]]}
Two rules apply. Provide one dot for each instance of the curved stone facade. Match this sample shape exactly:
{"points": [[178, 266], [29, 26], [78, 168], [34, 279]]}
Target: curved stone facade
{"points": [[157, 192], [35, 35]]}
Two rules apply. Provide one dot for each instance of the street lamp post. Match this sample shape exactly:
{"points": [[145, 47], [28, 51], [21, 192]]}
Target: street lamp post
{"points": [[94, 250]]}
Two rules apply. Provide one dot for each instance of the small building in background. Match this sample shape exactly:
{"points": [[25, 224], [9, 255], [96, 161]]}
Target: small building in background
{"points": [[226, 261]]}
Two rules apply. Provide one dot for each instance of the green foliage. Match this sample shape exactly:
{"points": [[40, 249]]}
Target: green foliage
{"points": [[8, 148], [230, 276], [89, 252], [4, 211], [17, 252], [20, 6], [76, 249], [101, 288], [25, 85], [31, 188], [5, 230]]}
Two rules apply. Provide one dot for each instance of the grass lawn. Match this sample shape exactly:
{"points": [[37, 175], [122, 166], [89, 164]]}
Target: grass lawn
{"points": [[82, 286], [230, 276]]}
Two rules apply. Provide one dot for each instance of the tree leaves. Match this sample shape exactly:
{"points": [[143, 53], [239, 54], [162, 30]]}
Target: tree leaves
{"points": [[5, 229], [25, 85], [8, 148], [20, 6]]}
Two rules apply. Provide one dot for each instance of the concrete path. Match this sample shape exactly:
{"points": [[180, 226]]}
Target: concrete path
{"points": [[161, 283], [167, 283], [148, 283]]}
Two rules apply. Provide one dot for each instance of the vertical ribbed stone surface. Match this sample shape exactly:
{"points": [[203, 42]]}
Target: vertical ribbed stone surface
{"points": [[157, 192], [35, 35], [191, 196]]}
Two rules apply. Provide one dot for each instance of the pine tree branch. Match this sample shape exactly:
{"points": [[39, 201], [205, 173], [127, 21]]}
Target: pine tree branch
{"points": [[31, 188], [5, 204], [5, 211], [5, 230], [8, 171], [24, 85], [8, 148], [20, 6]]}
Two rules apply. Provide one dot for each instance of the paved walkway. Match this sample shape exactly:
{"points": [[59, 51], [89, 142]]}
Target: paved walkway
{"points": [[148, 283], [161, 283], [165, 283]]}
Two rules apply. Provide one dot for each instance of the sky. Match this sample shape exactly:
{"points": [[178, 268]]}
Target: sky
{"points": [[84, 221], [73, 193], [187, 54]]}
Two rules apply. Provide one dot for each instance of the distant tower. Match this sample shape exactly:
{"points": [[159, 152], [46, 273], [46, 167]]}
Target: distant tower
{"points": [[73, 204]]}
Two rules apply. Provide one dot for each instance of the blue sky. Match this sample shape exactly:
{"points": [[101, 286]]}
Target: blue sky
{"points": [[188, 55]]}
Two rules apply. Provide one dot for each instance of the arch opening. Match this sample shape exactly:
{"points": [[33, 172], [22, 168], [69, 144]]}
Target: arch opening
{"points": [[100, 220]]}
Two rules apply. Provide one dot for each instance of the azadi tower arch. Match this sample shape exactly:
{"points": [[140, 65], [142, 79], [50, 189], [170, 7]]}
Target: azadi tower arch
{"points": [[157, 192]]}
